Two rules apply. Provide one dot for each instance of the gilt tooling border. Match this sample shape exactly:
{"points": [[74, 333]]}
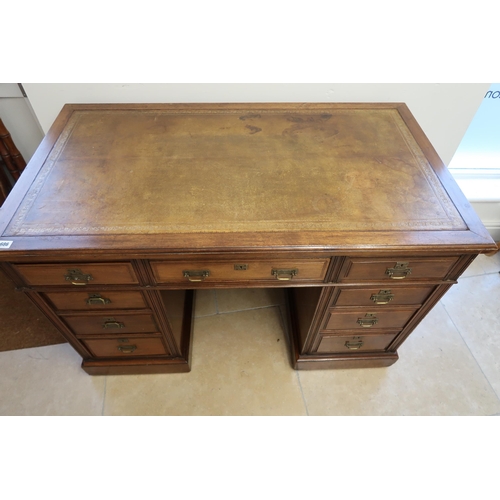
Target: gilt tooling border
{"points": [[449, 218]]}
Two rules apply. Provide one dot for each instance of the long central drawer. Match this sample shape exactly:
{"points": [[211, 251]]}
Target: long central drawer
{"points": [[241, 270]]}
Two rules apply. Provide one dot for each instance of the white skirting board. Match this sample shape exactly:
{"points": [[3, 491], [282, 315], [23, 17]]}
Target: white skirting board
{"points": [[489, 213]]}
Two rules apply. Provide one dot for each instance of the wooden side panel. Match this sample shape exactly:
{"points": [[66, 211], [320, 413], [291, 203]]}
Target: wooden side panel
{"points": [[306, 302], [174, 305]]}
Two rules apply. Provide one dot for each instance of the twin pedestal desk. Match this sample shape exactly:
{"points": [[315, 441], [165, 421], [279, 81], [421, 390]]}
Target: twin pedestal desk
{"points": [[126, 210]]}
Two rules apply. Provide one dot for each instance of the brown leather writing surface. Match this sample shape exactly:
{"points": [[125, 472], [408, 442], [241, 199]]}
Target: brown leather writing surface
{"points": [[161, 171]]}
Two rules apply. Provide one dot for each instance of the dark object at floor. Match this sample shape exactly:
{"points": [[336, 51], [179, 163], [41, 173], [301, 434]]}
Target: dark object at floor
{"points": [[22, 325]]}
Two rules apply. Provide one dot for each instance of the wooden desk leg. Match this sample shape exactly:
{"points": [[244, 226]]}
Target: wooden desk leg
{"points": [[311, 361]]}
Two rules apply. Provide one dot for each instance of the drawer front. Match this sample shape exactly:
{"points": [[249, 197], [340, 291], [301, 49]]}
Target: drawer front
{"points": [[345, 344], [364, 319], [404, 268], [126, 346], [382, 297], [246, 270], [106, 324], [78, 274], [96, 300]]}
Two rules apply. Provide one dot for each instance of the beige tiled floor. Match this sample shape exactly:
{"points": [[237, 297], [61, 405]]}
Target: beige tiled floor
{"points": [[449, 366]]}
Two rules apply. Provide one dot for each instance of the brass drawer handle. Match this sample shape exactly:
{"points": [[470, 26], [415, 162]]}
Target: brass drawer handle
{"points": [[111, 323], [127, 349], [284, 274], [196, 275], [354, 346], [368, 321], [97, 299], [382, 297], [77, 277], [399, 272]]}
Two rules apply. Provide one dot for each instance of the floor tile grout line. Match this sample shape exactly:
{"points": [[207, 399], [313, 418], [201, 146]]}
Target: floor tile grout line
{"points": [[302, 392], [205, 315], [472, 354], [289, 342], [478, 275], [250, 309], [216, 302], [104, 395], [238, 310]]}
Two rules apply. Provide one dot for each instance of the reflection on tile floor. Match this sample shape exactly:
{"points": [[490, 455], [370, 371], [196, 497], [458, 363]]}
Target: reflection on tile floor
{"points": [[241, 366]]}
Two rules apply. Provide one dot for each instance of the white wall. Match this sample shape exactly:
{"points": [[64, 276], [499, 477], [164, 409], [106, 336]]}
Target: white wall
{"points": [[18, 117], [444, 110], [480, 146], [480, 149]]}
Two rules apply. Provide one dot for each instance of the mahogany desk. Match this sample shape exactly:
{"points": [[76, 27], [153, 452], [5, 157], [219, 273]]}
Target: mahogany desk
{"points": [[126, 210]]}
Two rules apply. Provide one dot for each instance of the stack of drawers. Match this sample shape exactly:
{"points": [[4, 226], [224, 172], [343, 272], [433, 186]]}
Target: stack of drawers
{"points": [[125, 316], [376, 302], [101, 305]]}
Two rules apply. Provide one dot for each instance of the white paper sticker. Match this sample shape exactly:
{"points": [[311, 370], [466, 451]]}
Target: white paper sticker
{"points": [[5, 244]]}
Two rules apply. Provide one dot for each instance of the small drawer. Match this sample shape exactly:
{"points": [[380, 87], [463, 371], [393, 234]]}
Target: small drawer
{"points": [[381, 296], [112, 323], [364, 319], [125, 347], [345, 344], [241, 270], [396, 269], [78, 274], [96, 300]]}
